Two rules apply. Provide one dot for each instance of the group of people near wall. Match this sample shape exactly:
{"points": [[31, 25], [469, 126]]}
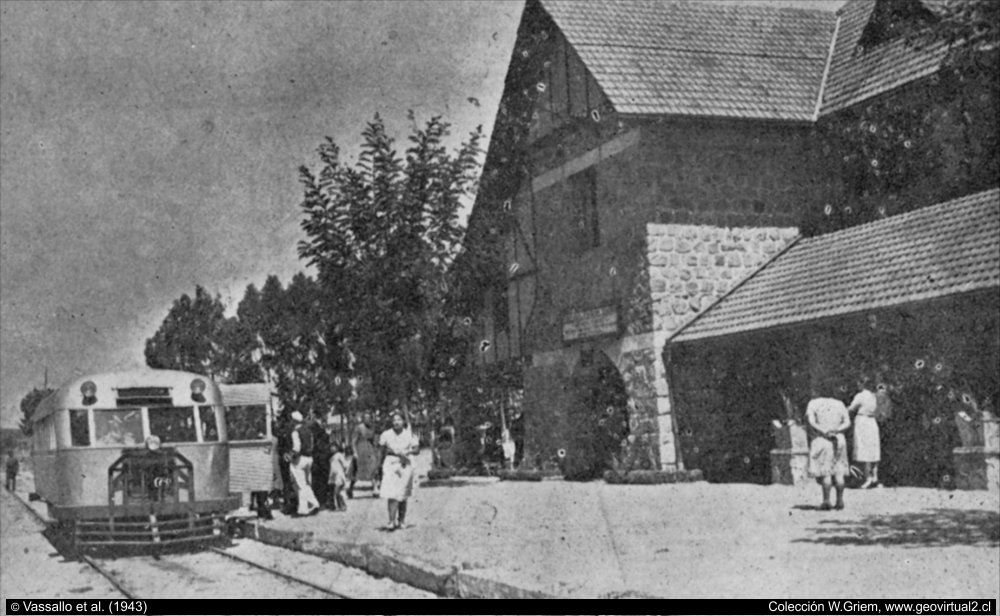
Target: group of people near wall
{"points": [[829, 420], [319, 470]]}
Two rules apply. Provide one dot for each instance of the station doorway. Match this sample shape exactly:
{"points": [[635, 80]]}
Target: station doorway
{"points": [[598, 419]]}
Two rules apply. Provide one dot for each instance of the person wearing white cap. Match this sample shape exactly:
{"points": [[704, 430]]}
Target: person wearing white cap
{"points": [[301, 465]]}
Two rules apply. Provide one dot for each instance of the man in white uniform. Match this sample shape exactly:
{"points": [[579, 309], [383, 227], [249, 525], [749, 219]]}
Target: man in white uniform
{"points": [[301, 466]]}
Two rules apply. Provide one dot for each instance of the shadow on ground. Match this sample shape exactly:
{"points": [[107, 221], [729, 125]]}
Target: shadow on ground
{"points": [[448, 483], [928, 528]]}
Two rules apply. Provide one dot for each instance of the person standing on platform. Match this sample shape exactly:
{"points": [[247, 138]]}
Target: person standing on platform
{"points": [[301, 465], [867, 449], [365, 465], [338, 478], [398, 445], [829, 420], [11, 468], [321, 457]]}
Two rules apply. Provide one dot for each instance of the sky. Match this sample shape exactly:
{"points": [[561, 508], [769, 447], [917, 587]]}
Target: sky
{"points": [[148, 148]]}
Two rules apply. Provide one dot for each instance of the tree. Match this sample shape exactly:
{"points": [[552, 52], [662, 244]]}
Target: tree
{"points": [[383, 236], [287, 338], [188, 337], [28, 405]]}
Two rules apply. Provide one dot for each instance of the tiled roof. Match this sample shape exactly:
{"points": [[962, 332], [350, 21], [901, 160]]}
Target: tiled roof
{"points": [[941, 250], [857, 74], [701, 59]]}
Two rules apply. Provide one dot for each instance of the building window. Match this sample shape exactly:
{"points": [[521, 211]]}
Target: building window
{"points": [[583, 201]]}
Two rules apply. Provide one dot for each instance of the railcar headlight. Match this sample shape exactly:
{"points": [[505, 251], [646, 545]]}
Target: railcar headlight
{"points": [[198, 390], [152, 442], [89, 391]]}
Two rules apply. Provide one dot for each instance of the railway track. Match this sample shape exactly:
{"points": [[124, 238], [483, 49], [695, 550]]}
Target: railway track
{"points": [[247, 569]]}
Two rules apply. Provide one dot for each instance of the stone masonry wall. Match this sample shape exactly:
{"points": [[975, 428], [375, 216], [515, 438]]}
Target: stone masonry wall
{"points": [[692, 266]]}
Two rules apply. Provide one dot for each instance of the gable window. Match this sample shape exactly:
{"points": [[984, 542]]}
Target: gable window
{"points": [[583, 205]]}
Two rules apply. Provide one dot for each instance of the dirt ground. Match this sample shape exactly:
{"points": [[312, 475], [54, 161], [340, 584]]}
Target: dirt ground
{"points": [[693, 540], [30, 567]]}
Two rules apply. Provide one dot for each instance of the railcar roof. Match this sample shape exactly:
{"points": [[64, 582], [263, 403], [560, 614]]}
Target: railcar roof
{"points": [[67, 394]]}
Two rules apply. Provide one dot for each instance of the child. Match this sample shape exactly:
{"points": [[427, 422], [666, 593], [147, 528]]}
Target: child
{"points": [[338, 477]]}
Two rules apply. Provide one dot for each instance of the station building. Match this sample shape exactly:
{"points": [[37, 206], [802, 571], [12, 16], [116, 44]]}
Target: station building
{"points": [[647, 159]]}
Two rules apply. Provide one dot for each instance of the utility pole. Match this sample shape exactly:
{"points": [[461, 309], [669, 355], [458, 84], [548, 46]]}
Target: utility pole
{"points": [[45, 381]]}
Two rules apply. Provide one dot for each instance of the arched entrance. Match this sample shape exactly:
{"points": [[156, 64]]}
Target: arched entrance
{"points": [[598, 419]]}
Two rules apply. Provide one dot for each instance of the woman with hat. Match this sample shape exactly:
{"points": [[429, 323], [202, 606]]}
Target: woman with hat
{"points": [[301, 465], [398, 445]]}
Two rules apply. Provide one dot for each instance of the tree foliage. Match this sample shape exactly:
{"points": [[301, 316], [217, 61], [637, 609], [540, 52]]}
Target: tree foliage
{"points": [[28, 405], [197, 337], [383, 235]]}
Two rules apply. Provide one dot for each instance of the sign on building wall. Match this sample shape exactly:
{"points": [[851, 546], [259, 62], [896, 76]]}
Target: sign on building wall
{"points": [[593, 323]]}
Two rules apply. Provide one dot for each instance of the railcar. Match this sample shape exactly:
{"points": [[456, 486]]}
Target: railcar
{"points": [[134, 458]]}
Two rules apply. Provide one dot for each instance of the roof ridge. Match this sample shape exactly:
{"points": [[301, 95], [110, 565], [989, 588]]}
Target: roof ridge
{"points": [[710, 52]]}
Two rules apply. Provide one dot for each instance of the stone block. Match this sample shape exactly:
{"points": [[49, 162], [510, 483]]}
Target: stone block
{"points": [[692, 260], [658, 285], [288, 539], [350, 554], [658, 259], [720, 261], [409, 570], [676, 287], [680, 307], [734, 261], [790, 467], [674, 259], [713, 248], [666, 244], [707, 287], [685, 275], [683, 246], [483, 585], [692, 287], [977, 468]]}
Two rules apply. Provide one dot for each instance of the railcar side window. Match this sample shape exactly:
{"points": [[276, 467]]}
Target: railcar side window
{"points": [[173, 424], [246, 423], [209, 429], [118, 426], [79, 428]]}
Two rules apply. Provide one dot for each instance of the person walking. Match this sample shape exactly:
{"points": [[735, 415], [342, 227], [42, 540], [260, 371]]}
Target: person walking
{"points": [[301, 465], [829, 420], [11, 468], [365, 464], [867, 449], [397, 444]]}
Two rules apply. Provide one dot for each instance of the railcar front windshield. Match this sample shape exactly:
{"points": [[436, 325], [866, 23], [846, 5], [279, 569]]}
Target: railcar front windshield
{"points": [[173, 424], [122, 426]]}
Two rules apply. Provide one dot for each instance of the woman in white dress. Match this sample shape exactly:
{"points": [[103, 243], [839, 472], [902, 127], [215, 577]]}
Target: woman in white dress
{"points": [[397, 444], [866, 437]]}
